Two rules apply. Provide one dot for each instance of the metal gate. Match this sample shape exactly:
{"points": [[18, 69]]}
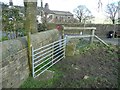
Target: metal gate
{"points": [[45, 57]]}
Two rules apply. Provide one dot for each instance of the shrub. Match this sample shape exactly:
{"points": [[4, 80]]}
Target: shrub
{"points": [[41, 27], [3, 38]]}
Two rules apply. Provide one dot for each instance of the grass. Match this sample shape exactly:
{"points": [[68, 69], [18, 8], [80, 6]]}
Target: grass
{"points": [[3, 39], [35, 83], [58, 79], [48, 59]]}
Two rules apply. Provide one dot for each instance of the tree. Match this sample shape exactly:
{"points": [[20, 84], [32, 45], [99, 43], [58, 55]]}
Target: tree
{"points": [[111, 11], [30, 15], [11, 19], [99, 5], [30, 25], [83, 13]]}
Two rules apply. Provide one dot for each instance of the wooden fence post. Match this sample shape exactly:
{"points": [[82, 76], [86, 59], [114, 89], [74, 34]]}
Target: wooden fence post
{"points": [[92, 37], [30, 25], [29, 51]]}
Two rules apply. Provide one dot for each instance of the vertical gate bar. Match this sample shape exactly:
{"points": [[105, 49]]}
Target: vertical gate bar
{"points": [[64, 46], [33, 62], [92, 37]]}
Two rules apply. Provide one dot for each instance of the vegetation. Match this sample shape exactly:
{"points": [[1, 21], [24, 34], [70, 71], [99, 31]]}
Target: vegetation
{"points": [[3, 39], [112, 10], [12, 20], [41, 27], [83, 13], [95, 68]]}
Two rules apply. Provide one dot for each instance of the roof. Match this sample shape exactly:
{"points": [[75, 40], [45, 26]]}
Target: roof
{"points": [[62, 12], [55, 11]]}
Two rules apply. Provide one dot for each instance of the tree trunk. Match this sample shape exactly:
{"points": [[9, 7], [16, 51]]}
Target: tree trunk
{"points": [[30, 15], [30, 26], [113, 21], [80, 20]]}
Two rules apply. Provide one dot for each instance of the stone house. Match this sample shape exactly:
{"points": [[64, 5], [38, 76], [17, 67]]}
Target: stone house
{"points": [[54, 16], [51, 16]]}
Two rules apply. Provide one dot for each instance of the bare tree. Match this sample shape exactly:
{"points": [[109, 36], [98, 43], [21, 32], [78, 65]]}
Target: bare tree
{"points": [[83, 13], [100, 4], [111, 11]]}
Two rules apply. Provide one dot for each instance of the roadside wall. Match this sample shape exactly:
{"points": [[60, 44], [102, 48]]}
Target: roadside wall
{"points": [[15, 57], [101, 29]]}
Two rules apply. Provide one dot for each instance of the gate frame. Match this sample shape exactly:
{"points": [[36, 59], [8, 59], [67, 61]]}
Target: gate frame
{"points": [[63, 46]]}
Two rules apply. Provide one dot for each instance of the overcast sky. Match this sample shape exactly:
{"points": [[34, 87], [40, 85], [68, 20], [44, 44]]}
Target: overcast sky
{"points": [[69, 5]]}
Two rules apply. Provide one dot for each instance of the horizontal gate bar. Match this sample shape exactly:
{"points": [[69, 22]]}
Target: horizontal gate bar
{"points": [[48, 48], [49, 66], [43, 54], [43, 62], [48, 45], [79, 36], [46, 55], [42, 58]]}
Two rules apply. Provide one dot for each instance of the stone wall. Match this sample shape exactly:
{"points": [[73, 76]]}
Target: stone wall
{"points": [[101, 29], [15, 57]]}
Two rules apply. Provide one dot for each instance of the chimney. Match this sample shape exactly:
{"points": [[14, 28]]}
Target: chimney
{"points": [[41, 4], [46, 6], [10, 2]]}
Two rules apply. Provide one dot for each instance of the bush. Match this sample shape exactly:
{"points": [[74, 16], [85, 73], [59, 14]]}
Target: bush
{"points": [[41, 27], [3, 39], [21, 32]]}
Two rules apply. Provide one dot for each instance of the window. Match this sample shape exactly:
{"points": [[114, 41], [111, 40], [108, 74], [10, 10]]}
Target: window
{"points": [[68, 17], [56, 17]]}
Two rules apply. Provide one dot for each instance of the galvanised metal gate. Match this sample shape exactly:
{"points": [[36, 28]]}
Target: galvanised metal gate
{"points": [[45, 57]]}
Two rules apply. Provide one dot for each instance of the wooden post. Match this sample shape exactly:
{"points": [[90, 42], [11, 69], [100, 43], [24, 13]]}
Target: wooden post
{"points": [[62, 32], [92, 37], [29, 51], [30, 26]]}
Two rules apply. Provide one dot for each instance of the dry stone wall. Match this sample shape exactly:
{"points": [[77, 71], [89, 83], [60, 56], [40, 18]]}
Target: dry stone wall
{"points": [[15, 57]]}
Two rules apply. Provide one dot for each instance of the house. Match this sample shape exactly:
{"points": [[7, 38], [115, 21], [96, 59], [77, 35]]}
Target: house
{"points": [[44, 13], [59, 16], [55, 16]]}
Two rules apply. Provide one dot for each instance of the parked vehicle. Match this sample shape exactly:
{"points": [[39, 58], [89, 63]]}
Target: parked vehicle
{"points": [[111, 34]]}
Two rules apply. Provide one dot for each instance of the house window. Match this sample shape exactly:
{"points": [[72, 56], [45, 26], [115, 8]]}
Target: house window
{"points": [[68, 17], [56, 17]]}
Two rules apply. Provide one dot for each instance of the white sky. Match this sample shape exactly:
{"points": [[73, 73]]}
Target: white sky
{"points": [[70, 5]]}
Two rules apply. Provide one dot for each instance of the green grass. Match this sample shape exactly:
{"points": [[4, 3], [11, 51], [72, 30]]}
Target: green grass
{"points": [[3, 39], [41, 65], [35, 83]]}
